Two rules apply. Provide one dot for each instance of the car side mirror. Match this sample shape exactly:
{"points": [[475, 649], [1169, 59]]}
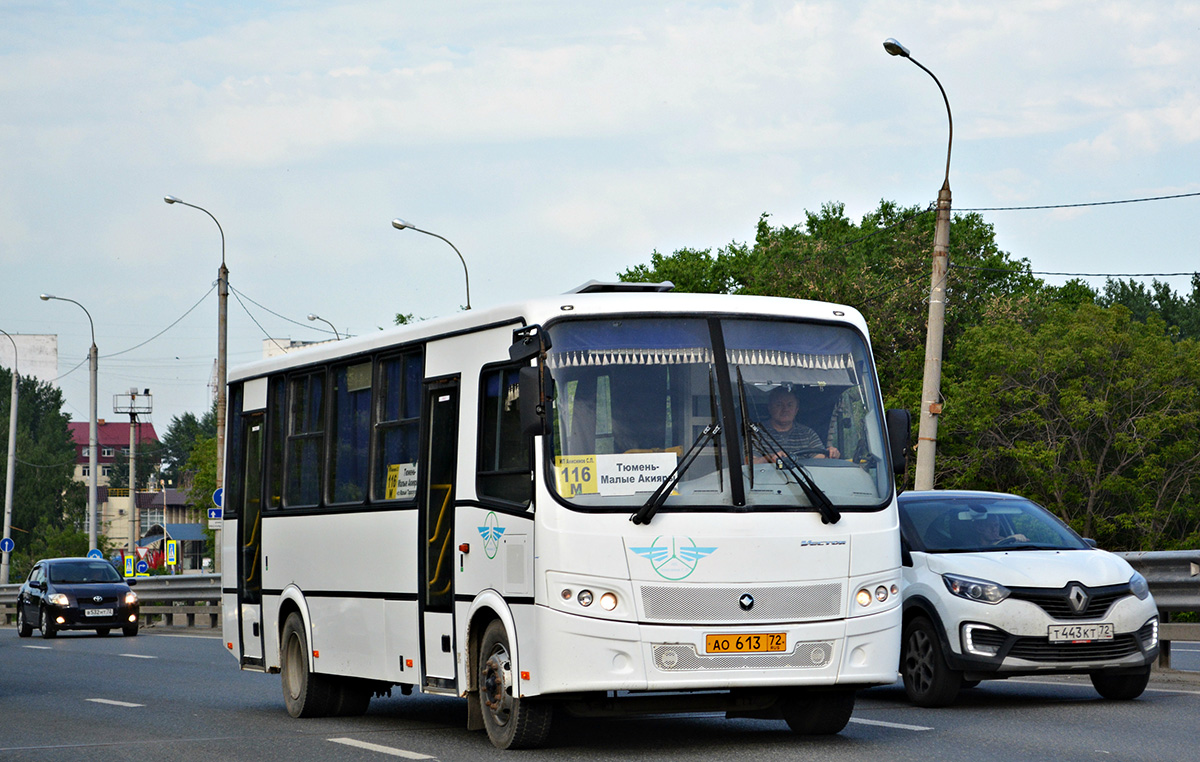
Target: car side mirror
{"points": [[131, 582], [38, 585], [1090, 542], [905, 553]]}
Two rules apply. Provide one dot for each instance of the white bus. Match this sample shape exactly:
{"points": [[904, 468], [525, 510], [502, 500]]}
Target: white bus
{"points": [[570, 504]]}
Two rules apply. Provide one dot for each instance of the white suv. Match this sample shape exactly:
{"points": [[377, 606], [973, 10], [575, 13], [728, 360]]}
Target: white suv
{"points": [[997, 586]]}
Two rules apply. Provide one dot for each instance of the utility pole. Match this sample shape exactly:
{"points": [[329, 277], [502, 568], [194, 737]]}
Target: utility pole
{"points": [[133, 404], [12, 466]]}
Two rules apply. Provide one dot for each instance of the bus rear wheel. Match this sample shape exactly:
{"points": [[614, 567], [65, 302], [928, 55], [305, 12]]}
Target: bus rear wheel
{"points": [[817, 713], [305, 693], [511, 722]]}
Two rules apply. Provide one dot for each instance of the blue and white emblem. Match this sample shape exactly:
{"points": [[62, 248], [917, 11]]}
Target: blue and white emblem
{"points": [[491, 533], [674, 558]]}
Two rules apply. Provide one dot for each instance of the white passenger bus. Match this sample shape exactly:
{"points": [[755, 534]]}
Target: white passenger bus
{"points": [[580, 503]]}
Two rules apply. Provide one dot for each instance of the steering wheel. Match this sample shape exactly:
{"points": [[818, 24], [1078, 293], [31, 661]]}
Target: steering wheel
{"points": [[809, 452], [1010, 540]]}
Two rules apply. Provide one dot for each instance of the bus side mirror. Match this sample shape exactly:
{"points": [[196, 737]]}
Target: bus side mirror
{"points": [[533, 400], [899, 424]]}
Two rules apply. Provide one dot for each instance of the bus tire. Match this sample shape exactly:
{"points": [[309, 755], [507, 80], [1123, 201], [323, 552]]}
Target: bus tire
{"points": [[305, 693], [817, 712], [511, 722], [352, 698]]}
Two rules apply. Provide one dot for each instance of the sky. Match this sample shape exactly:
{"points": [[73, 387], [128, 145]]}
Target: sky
{"points": [[551, 142]]}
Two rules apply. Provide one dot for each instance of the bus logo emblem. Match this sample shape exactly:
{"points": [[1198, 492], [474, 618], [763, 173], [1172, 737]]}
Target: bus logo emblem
{"points": [[491, 533], [746, 601], [673, 558]]}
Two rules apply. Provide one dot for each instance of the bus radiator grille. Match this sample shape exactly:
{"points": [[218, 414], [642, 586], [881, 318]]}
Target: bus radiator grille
{"points": [[717, 605]]}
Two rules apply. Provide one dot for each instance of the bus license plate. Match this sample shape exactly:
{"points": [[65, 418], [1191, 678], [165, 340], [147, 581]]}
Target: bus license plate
{"points": [[746, 643], [97, 612], [1073, 633]]}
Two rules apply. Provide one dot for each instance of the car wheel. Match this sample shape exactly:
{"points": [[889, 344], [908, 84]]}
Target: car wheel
{"points": [[305, 693], [102, 631], [817, 713], [45, 625], [1121, 687], [511, 722], [24, 628], [928, 679], [130, 630]]}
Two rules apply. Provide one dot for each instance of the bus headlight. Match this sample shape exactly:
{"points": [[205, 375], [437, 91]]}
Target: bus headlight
{"points": [[863, 597], [608, 601]]}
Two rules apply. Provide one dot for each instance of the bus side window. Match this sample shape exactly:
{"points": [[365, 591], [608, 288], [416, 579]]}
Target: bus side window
{"points": [[505, 470], [350, 432], [397, 430], [306, 439]]}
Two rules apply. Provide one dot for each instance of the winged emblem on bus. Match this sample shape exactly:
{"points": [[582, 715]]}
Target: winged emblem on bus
{"points": [[673, 558], [491, 532]]}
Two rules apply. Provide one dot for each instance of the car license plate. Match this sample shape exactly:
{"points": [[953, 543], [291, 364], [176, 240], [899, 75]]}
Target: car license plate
{"points": [[746, 643], [97, 612], [1076, 633]]}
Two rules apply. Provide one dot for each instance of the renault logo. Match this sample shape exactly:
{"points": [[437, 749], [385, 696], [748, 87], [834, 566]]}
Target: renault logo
{"points": [[1078, 598], [746, 601]]}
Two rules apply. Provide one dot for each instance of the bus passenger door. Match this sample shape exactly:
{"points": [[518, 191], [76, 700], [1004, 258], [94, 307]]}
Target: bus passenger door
{"points": [[249, 541], [439, 462]]}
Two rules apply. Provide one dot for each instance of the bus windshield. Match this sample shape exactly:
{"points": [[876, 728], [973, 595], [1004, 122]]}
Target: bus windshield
{"points": [[746, 408]]}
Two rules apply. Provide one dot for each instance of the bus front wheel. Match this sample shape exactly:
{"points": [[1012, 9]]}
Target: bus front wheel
{"points": [[511, 722], [816, 713], [305, 693]]}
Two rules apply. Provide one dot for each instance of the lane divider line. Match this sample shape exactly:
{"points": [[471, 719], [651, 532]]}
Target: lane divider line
{"points": [[111, 702], [896, 725], [381, 749]]}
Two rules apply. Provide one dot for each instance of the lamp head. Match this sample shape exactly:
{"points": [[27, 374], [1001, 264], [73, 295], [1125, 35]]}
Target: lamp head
{"points": [[171, 199], [311, 316], [893, 47], [400, 224], [46, 297]]}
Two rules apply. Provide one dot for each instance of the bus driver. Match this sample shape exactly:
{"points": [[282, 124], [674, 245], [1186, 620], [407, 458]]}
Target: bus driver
{"points": [[794, 437]]}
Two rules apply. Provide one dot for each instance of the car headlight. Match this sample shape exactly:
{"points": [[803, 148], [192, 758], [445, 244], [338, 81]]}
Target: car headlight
{"points": [[130, 598], [975, 589], [1139, 586], [58, 599]]}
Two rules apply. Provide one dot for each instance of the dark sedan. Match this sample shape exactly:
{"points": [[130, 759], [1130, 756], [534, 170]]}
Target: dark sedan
{"points": [[76, 594]]}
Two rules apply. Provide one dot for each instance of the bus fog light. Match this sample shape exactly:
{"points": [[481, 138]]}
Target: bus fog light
{"points": [[584, 598], [863, 598], [608, 601]]}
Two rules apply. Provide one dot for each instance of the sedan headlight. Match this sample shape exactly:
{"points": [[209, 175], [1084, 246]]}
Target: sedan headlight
{"points": [[130, 598], [58, 599], [1139, 586], [975, 589]]}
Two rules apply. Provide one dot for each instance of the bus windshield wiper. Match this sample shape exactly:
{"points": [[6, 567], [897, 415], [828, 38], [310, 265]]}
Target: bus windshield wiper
{"points": [[762, 438], [656, 500]]}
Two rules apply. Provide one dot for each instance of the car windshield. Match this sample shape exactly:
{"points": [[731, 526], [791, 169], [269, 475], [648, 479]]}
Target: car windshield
{"points": [[965, 524], [636, 398], [83, 573]]}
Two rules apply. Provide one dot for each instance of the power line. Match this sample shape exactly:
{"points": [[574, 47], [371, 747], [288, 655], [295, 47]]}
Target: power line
{"points": [[1074, 275], [1075, 206]]}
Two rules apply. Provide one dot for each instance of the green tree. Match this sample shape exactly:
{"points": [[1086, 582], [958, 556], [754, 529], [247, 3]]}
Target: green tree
{"points": [[1089, 412], [202, 466], [180, 439], [48, 504]]}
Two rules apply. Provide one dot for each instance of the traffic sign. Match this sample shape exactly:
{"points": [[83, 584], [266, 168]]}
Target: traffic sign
{"points": [[7, 545], [218, 497], [143, 568], [172, 552], [143, 552], [214, 513], [128, 566], [95, 553]]}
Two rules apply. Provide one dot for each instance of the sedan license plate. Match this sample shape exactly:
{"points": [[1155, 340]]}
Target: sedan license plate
{"points": [[746, 643], [98, 612], [1077, 633]]}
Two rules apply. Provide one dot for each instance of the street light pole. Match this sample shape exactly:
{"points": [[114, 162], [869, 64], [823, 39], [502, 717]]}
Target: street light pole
{"points": [[93, 443], [400, 224], [931, 396], [222, 332], [12, 465], [312, 316]]}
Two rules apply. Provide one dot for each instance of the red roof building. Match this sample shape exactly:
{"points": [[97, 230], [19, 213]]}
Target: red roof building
{"points": [[113, 439]]}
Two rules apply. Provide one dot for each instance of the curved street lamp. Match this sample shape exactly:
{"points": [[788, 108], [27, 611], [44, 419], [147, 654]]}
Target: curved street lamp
{"points": [[400, 224], [93, 443], [312, 316], [12, 466], [931, 405]]}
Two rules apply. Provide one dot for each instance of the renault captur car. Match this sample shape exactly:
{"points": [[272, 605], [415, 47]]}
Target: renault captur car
{"points": [[76, 594], [996, 586]]}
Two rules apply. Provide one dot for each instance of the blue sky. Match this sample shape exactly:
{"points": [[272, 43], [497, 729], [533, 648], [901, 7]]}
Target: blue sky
{"points": [[552, 142]]}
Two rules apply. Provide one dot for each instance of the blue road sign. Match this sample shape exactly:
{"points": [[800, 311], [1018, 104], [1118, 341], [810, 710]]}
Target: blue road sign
{"points": [[214, 513], [218, 496], [142, 567], [7, 545], [95, 553]]}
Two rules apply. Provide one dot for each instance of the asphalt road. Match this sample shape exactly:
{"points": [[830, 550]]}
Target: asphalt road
{"points": [[168, 695]]}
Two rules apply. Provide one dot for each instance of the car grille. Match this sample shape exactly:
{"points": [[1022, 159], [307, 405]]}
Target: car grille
{"points": [[1057, 603], [1041, 649]]}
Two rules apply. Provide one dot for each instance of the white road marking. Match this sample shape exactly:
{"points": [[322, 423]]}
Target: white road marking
{"points": [[39, 648], [381, 749], [137, 656], [114, 703], [882, 724]]}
